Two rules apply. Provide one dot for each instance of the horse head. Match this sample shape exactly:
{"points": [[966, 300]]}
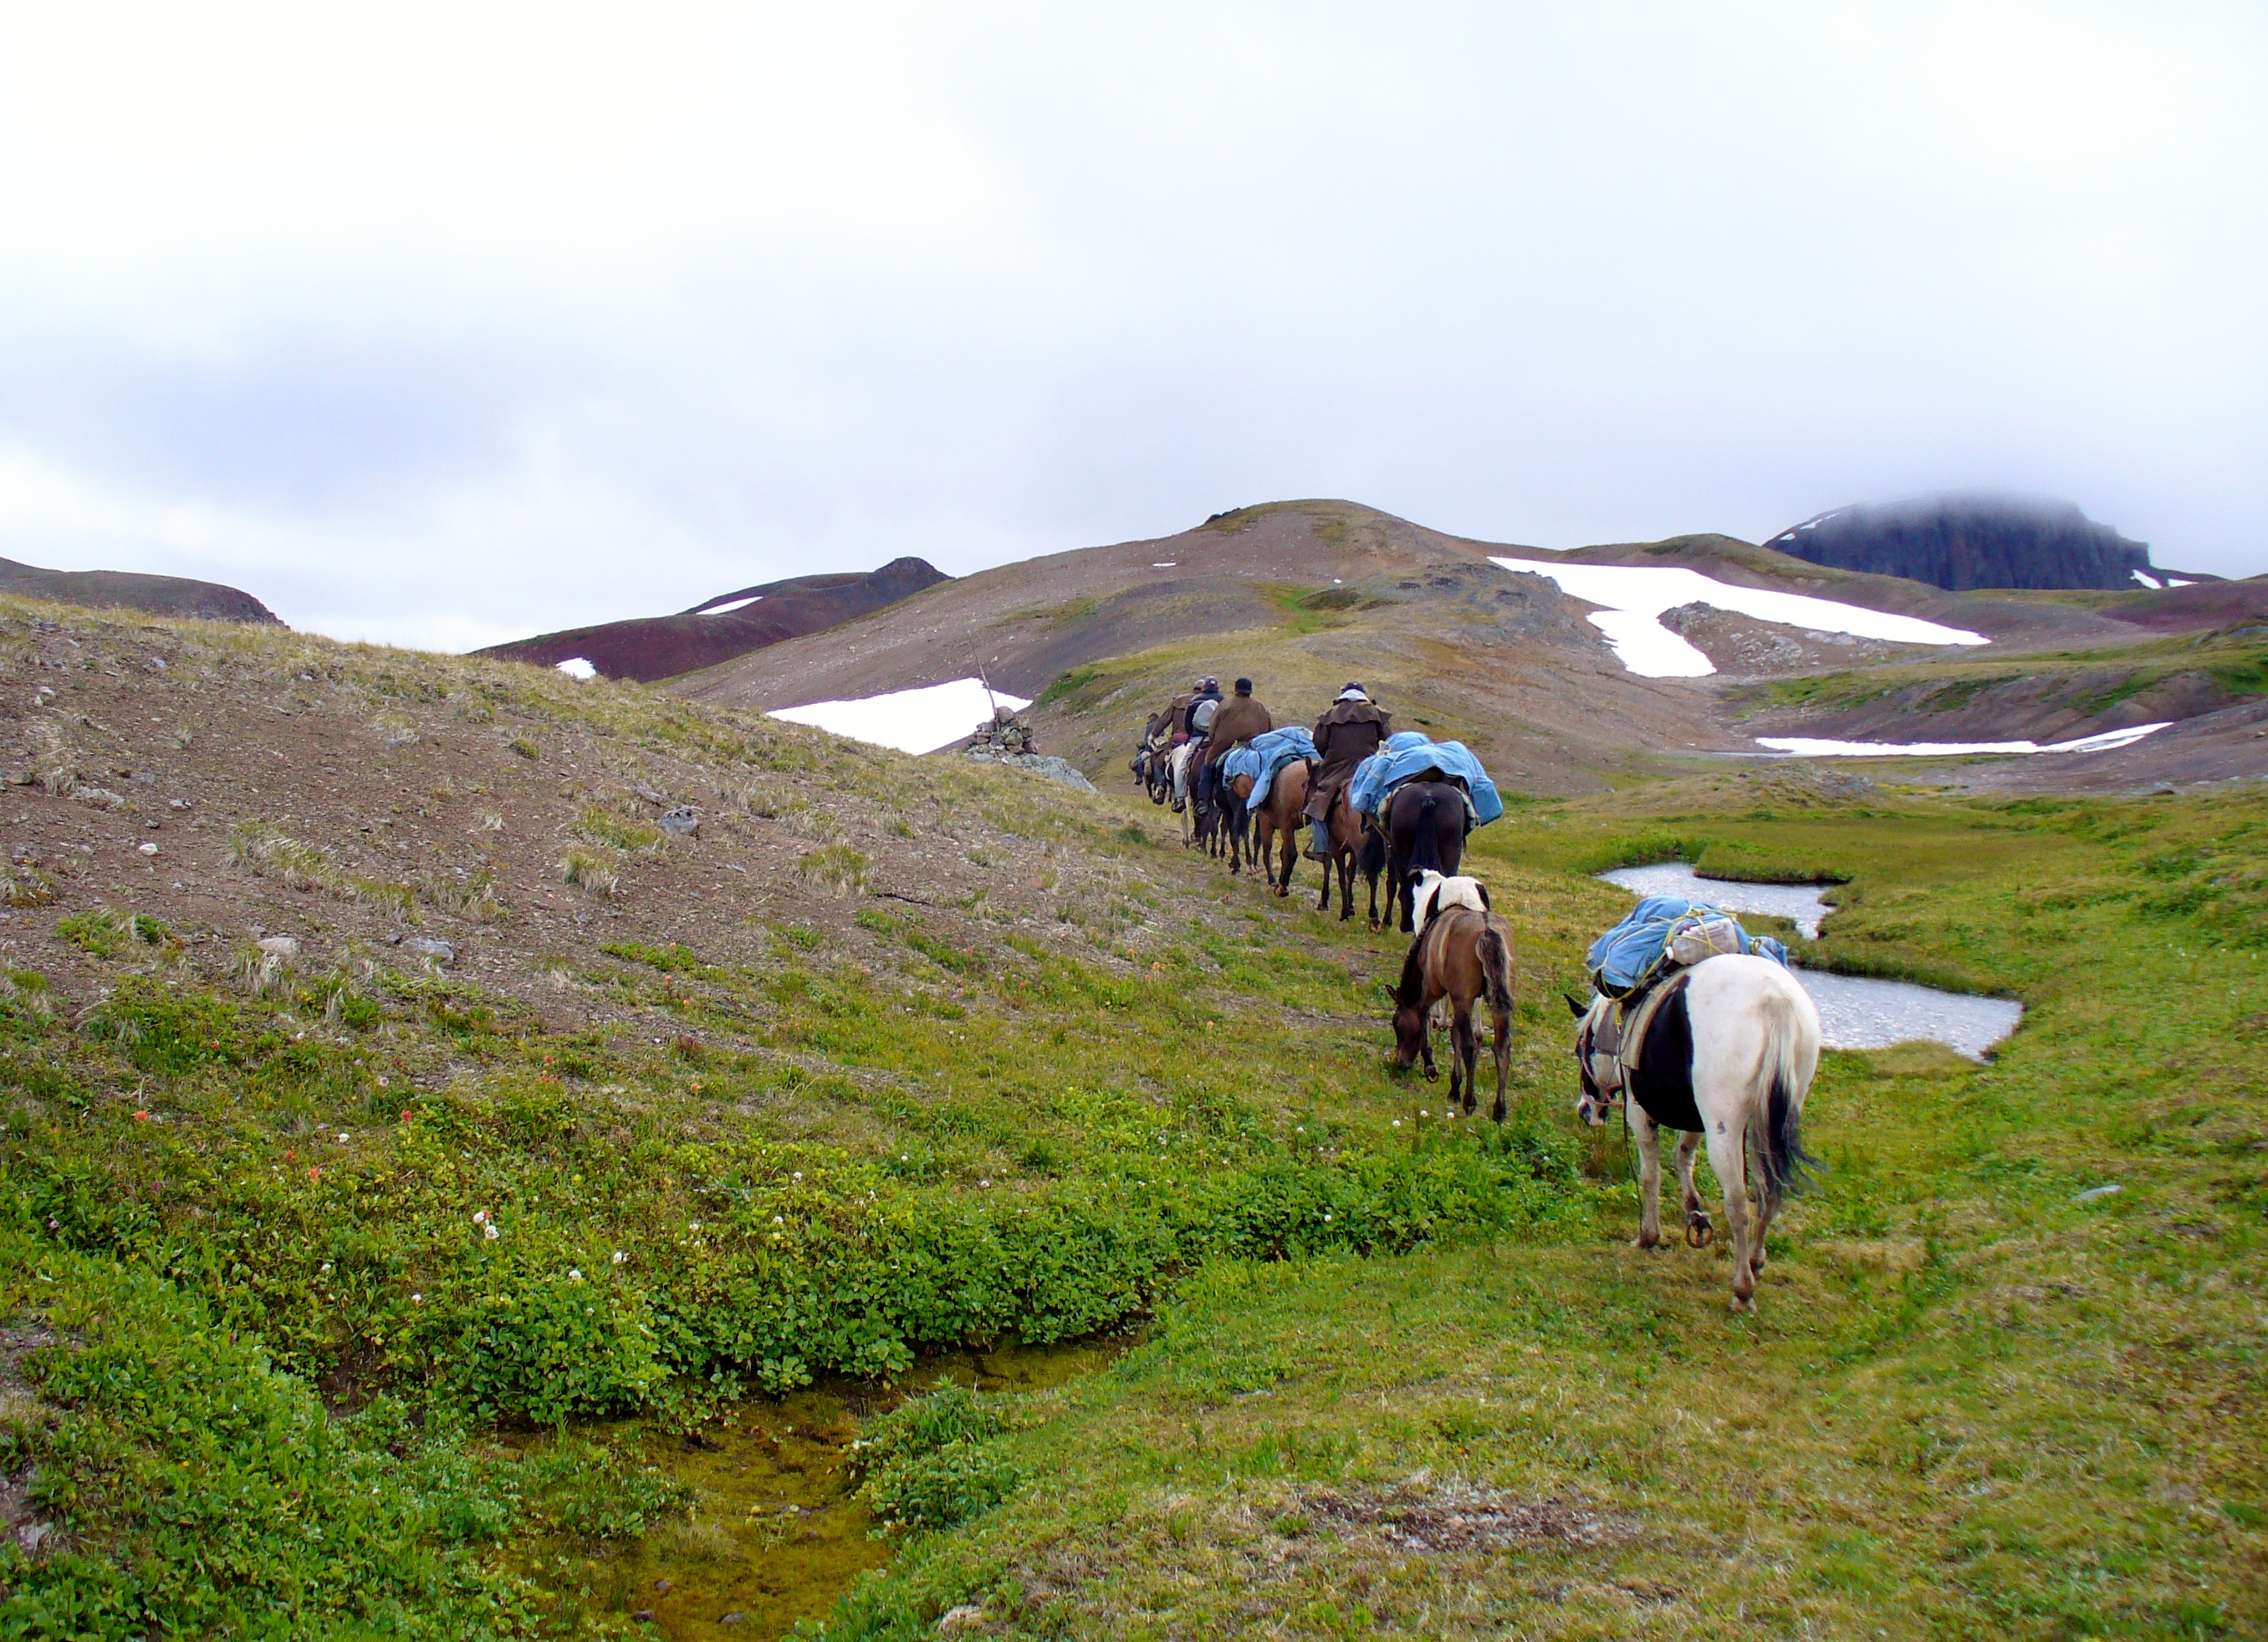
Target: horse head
{"points": [[1409, 1035], [1593, 1104]]}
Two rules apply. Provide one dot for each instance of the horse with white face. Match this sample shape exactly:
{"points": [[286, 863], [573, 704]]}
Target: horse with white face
{"points": [[1727, 1058]]}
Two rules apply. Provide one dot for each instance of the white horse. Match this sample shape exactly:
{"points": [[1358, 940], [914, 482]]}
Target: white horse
{"points": [[1727, 1058]]}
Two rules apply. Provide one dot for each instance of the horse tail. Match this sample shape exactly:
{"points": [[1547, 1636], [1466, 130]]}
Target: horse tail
{"points": [[1424, 847], [1371, 861], [1496, 965], [1786, 1166]]}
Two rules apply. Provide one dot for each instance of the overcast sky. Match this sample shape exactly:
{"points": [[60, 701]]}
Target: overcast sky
{"points": [[444, 325]]}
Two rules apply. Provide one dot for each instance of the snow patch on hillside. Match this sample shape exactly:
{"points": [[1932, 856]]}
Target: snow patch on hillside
{"points": [[1810, 747], [911, 720], [1635, 595], [578, 667]]}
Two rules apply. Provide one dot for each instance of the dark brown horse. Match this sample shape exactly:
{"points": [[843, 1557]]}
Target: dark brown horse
{"points": [[1276, 820], [1356, 845], [1425, 828], [1463, 955]]}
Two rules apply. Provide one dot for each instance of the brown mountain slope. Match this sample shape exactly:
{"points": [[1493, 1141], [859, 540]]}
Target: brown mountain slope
{"points": [[358, 801], [649, 648], [1304, 596], [129, 589]]}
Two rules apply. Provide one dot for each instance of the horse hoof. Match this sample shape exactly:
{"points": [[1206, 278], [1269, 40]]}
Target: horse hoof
{"points": [[1699, 1234], [1743, 1305]]}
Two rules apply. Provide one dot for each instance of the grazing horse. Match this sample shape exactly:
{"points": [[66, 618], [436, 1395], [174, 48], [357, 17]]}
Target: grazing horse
{"points": [[1727, 1057], [1463, 955], [1425, 830], [1277, 820], [1356, 845]]}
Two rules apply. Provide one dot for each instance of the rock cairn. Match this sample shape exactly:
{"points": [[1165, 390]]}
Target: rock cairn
{"points": [[1005, 738]]}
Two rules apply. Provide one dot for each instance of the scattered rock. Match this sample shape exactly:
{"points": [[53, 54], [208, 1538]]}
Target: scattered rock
{"points": [[663, 1584], [440, 951], [959, 1618], [2094, 1192], [279, 947], [680, 821], [147, 848], [643, 1616], [1053, 768]]}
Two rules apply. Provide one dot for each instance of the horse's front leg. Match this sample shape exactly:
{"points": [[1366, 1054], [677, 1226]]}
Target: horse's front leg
{"points": [[1648, 1135], [1700, 1232], [1728, 1148]]}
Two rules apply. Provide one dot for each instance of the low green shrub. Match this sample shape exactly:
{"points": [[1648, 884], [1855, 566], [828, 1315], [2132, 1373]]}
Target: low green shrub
{"points": [[929, 1465]]}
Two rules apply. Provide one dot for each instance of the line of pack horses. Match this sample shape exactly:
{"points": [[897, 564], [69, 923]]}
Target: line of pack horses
{"points": [[1723, 1055], [1420, 826]]}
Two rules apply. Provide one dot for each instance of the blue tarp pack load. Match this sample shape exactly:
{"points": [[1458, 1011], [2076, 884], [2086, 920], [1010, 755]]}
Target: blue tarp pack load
{"points": [[1631, 955], [1266, 754], [1412, 754]]}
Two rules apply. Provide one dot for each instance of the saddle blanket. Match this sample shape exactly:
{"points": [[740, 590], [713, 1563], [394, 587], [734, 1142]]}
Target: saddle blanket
{"points": [[1412, 754], [1262, 756], [1666, 932]]}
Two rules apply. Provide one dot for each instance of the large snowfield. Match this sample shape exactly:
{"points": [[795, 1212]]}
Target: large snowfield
{"points": [[1810, 747], [1635, 595], [911, 720]]}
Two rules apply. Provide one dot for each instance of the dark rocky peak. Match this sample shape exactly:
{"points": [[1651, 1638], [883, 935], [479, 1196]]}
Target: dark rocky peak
{"points": [[1961, 542]]}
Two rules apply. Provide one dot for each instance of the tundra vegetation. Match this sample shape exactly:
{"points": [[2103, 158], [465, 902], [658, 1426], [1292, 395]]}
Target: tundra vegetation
{"points": [[298, 1256]]}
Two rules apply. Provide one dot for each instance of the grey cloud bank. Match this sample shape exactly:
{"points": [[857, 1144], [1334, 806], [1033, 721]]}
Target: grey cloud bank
{"points": [[445, 327]]}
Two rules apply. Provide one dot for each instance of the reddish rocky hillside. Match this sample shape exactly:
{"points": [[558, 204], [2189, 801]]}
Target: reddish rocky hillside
{"points": [[648, 648], [127, 590]]}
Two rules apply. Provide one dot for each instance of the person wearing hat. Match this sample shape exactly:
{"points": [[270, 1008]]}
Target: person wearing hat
{"points": [[1350, 729], [1239, 718]]}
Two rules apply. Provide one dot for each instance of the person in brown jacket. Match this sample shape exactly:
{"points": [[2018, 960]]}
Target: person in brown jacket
{"points": [[1239, 718], [1350, 729]]}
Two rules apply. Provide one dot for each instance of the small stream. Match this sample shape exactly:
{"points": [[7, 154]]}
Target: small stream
{"points": [[773, 1534], [1855, 1011]]}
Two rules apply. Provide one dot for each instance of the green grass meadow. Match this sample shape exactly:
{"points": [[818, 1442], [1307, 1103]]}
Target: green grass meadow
{"points": [[285, 1266]]}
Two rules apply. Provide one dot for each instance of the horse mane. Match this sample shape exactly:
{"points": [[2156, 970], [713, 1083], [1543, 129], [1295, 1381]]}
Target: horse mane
{"points": [[1412, 994]]}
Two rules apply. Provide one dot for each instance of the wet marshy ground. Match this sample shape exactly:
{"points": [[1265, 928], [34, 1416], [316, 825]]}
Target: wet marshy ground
{"points": [[772, 1534]]}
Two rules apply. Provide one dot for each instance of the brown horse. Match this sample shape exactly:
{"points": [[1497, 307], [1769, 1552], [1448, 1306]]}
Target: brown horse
{"points": [[1277, 820], [1424, 827], [1463, 955], [1356, 845]]}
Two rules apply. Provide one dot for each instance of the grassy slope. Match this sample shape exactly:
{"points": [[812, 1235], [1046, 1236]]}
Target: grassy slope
{"points": [[1971, 1404], [870, 1126], [2092, 680]]}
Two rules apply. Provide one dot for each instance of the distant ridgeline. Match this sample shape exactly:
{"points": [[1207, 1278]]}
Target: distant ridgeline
{"points": [[647, 648], [1964, 542], [159, 595]]}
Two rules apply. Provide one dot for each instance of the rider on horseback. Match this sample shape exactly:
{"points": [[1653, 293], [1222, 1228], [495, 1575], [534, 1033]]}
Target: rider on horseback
{"points": [[1237, 719], [1350, 731]]}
